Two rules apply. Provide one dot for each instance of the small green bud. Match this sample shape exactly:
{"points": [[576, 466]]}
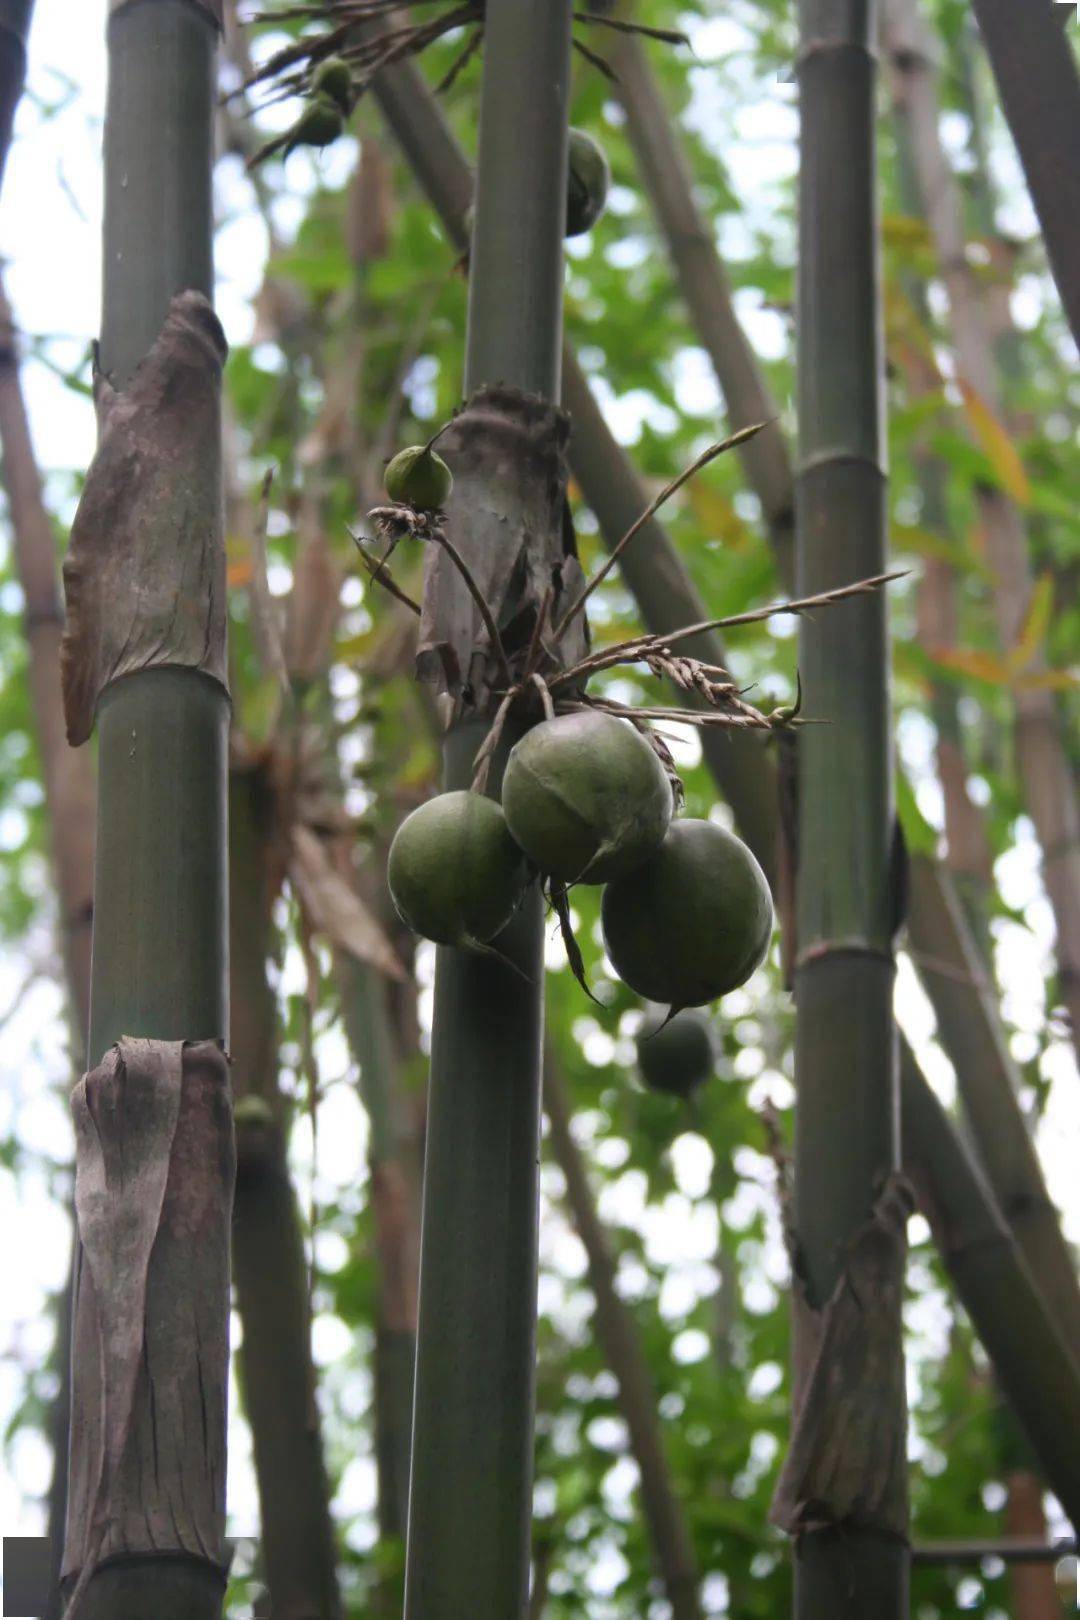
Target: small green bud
{"points": [[333, 78], [419, 478], [587, 183]]}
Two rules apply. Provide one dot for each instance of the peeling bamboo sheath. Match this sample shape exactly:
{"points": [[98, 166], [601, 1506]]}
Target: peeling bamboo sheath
{"points": [[470, 1491]]}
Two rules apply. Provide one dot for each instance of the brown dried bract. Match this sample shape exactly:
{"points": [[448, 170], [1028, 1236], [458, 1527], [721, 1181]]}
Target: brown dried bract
{"points": [[847, 1462], [507, 520], [145, 574], [153, 1196]]}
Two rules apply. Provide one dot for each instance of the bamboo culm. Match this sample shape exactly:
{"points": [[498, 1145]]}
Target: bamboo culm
{"points": [[845, 1067], [468, 1546], [160, 902]]}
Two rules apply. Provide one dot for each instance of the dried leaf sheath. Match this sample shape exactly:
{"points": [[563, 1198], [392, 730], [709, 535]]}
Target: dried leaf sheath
{"points": [[153, 1195], [846, 1463], [507, 519], [145, 574]]}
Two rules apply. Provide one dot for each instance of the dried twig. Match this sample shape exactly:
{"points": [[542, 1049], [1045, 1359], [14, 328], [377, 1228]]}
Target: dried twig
{"points": [[380, 573], [440, 538], [650, 511], [667, 36], [461, 62], [595, 60], [641, 648]]}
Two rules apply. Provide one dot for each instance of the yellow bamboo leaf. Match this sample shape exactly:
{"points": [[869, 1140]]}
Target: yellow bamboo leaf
{"points": [[1032, 637], [970, 661], [1049, 680], [996, 445]]}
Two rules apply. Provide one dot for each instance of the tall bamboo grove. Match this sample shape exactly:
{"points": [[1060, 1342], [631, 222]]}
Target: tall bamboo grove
{"points": [[143, 661], [842, 1492]]}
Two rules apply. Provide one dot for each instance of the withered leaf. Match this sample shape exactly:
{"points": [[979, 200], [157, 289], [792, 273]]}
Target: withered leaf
{"points": [[847, 1461], [334, 909]]}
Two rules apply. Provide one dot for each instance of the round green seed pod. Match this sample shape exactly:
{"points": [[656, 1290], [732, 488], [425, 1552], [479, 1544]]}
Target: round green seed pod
{"points": [[588, 180], [676, 1055], [693, 922], [419, 478], [586, 797], [319, 125], [455, 874], [333, 78]]}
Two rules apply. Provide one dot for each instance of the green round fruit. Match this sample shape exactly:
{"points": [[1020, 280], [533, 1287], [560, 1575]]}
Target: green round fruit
{"points": [[586, 797], [419, 478], [679, 1055], [455, 874], [588, 180], [319, 124], [333, 78], [693, 922]]}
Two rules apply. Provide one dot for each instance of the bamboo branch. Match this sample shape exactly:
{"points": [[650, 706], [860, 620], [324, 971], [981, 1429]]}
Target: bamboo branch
{"points": [[1033, 1361], [14, 29], [669, 1532], [269, 1265], [68, 778], [1037, 79]]}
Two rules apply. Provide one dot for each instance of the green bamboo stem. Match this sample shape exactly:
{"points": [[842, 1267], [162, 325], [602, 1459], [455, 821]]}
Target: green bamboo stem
{"points": [[1043, 767], [666, 598], [1039, 85], [160, 902], [670, 1533], [269, 1264], [1033, 1361], [159, 959], [14, 30], [845, 1055], [470, 1488]]}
